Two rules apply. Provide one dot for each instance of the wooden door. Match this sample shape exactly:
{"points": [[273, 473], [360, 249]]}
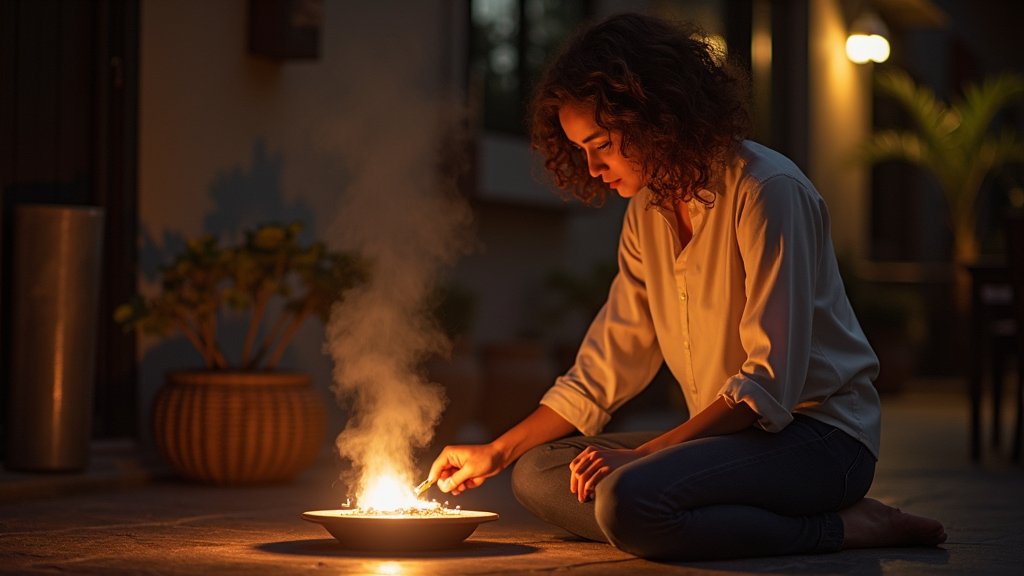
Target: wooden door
{"points": [[68, 123]]}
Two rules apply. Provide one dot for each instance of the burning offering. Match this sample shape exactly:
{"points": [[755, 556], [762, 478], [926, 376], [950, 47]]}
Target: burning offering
{"points": [[410, 223], [399, 532], [393, 518]]}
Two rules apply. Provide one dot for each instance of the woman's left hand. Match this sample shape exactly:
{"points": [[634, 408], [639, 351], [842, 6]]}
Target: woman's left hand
{"points": [[593, 464]]}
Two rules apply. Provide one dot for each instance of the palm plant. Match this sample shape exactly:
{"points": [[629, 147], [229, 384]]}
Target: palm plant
{"points": [[953, 142]]}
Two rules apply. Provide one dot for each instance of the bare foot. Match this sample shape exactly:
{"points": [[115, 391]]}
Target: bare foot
{"points": [[871, 524]]}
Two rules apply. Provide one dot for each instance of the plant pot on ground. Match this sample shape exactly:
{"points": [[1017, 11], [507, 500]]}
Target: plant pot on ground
{"points": [[242, 421]]}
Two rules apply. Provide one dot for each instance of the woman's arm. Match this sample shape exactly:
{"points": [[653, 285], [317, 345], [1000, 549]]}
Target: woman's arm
{"points": [[619, 354], [718, 419], [782, 234], [459, 468], [542, 425]]}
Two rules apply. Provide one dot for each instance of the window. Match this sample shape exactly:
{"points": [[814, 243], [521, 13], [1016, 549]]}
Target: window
{"points": [[510, 42]]}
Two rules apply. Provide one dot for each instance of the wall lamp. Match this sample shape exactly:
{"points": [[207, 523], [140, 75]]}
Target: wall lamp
{"points": [[868, 40]]}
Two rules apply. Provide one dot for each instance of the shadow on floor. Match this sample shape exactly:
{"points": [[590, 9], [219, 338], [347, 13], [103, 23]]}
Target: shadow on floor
{"points": [[332, 548]]}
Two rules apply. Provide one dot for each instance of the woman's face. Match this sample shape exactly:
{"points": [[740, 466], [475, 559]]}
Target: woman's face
{"points": [[604, 156]]}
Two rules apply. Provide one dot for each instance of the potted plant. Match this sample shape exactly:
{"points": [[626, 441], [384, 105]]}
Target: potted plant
{"points": [[241, 421], [955, 144]]}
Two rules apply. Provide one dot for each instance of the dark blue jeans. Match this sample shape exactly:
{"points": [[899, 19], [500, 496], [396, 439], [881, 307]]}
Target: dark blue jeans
{"points": [[752, 493]]}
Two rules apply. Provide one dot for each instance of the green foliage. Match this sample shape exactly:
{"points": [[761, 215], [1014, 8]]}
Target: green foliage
{"points": [[269, 264], [953, 142]]}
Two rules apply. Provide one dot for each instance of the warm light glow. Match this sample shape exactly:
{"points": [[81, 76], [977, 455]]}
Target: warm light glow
{"points": [[862, 48], [719, 47], [389, 568], [868, 40], [761, 48], [390, 492]]}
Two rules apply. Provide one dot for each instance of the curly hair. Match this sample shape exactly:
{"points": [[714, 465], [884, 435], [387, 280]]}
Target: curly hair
{"points": [[680, 110]]}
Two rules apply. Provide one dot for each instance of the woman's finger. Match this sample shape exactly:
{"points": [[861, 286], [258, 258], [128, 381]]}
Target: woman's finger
{"points": [[589, 465], [583, 477], [582, 457], [574, 467], [591, 484]]}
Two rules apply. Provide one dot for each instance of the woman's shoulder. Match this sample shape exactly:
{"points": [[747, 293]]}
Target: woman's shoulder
{"points": [[757, 162], [758, 170]]}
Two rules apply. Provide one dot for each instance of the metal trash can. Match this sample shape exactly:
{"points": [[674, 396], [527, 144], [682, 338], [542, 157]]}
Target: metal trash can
{"points": [[56, 260]]}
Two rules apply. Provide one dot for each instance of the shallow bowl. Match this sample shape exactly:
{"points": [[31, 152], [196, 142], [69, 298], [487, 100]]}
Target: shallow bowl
{"points": [[398, 532]]}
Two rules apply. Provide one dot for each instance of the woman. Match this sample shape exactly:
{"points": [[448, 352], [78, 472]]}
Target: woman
{"points": [[728, 275]]}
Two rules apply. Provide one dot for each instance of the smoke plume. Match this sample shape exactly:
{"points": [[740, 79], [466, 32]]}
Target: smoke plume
{"points": [[399, 213]]}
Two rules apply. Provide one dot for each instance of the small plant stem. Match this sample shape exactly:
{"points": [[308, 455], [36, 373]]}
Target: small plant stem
{"points": [[196, 341], [255, 319], [282, 345]]}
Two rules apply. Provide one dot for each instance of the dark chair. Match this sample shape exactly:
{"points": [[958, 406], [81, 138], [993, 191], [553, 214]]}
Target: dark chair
{"points": [[991, 345], [1015, 266]]}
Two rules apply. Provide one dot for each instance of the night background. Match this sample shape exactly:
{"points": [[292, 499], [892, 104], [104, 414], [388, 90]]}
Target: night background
{"points": [[147, 125]]}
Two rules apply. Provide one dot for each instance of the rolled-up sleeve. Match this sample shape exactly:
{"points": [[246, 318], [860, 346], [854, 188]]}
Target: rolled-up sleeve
{"points": [[772, 416], [779, 233], [619, 354]]}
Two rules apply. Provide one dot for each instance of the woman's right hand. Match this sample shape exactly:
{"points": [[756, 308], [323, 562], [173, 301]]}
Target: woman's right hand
{"points": [[466, 466], [459, 468]]}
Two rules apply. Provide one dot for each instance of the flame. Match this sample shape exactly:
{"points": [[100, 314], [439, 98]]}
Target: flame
{"points": [[385, 484], [389, 568], [388, 493]]}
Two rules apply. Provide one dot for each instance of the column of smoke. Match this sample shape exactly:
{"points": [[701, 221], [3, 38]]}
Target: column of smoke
{"points": [[398, 213]]}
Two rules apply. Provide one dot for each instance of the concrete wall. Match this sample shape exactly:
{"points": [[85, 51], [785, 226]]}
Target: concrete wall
{"points": [[228, 140], [839, 118]]}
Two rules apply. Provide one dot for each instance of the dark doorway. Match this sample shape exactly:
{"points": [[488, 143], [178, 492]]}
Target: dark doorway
{"points": [[68, 124]]}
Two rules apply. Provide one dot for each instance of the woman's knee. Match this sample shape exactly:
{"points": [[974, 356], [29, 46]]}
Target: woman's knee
{"points": [[531, 476], [626, 513], [521, 485]]}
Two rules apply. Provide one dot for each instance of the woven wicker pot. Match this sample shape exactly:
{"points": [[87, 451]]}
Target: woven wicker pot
{"points": [[233, 428]]}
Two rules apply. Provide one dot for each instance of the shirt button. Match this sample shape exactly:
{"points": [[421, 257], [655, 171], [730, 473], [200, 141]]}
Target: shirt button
{"points": [[686, 344], [682, 296]]}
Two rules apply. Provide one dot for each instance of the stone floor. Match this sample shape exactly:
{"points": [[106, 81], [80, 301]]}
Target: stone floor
{"points": [[117, 519]]}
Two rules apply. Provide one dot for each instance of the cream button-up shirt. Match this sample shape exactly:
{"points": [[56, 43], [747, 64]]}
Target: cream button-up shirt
{"points": [[752, 309]]}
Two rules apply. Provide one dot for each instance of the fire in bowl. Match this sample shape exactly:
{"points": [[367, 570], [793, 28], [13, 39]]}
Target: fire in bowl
{"points": [[361, 530]]}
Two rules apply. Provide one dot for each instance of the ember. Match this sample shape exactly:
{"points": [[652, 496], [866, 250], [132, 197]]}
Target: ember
{"points": [[434, 512], [423, 509]]}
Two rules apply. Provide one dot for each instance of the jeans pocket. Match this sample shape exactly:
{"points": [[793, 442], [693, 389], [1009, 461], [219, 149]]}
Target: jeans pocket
{"points": [[859, 475]]}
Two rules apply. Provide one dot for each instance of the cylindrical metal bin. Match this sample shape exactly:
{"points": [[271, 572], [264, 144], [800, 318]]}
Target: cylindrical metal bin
{"points": [[56, 278]]}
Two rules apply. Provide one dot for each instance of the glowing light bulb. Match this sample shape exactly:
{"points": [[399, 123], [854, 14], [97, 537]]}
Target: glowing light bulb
{"points": [[867, 41], [862, 48]]}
